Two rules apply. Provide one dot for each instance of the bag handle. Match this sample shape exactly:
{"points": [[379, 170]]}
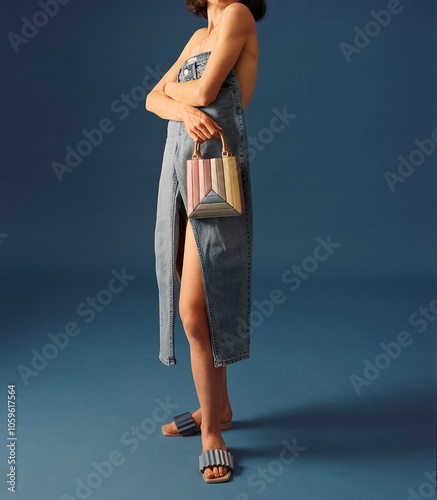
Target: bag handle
{"points": [[225, 148]]}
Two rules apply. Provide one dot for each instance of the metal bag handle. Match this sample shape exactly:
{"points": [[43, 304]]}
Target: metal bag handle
{"points": [[225, 148]]}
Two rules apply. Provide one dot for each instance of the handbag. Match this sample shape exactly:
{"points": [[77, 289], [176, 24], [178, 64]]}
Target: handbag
{"points": [[214, 186]]}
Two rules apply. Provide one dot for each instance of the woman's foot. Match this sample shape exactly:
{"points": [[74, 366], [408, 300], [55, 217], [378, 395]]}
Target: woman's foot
{"points": [[226, 416], [214, 442]]}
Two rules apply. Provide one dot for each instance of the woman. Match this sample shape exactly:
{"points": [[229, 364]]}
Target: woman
{"points": [[207, 91]]}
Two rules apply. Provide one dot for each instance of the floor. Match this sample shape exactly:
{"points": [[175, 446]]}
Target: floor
{"points": [[311, 422]]}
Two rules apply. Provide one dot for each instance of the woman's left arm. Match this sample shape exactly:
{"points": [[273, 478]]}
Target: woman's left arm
{"points": [[237, 23]]}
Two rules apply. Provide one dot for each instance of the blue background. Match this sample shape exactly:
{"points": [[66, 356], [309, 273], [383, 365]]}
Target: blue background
{"points": [[322, 175]]}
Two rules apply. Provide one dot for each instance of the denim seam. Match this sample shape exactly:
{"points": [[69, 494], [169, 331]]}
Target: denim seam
{"points": [[246, 175], [228, 361], [172, 252], [171, 324]]}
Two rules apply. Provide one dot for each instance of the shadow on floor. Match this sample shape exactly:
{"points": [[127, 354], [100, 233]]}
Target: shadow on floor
{"points": [[391, 424]]}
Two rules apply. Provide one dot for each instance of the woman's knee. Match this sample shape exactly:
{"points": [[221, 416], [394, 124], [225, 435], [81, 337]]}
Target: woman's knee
{"points": [[195, 325]]}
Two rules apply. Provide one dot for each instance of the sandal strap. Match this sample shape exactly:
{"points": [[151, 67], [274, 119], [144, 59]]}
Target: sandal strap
{"points": [[185, 424], [215, 458]]}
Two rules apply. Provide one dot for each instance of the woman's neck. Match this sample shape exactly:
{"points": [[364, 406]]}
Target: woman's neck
{"points": [[215, 14]]}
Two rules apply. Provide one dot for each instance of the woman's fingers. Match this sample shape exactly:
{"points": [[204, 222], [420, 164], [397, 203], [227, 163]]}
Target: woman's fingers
{"points": [[207, 131], [213, 129], [201, 126], [203, 136], [196, 138], [200, 137], [200, 122]]}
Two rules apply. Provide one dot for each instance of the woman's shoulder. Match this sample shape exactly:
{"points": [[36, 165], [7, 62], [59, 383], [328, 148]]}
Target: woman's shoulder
{"points": [[196, 37], [237, 7], [238, 11], [192, 42], [199, 33]]}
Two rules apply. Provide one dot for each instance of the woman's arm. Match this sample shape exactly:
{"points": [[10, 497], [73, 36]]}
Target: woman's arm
{"points": [[237, 24], [198, 124], [159, 103]]}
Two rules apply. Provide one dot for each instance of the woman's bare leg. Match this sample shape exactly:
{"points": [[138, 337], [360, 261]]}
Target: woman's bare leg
{"points": [[209, 381], [225, 409]]}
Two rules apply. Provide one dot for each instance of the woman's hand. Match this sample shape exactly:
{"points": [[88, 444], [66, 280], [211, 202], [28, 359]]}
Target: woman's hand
{"points": [[199, 125]]}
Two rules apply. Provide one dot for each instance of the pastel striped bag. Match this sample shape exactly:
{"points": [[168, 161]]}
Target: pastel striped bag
{"points": [[214, 186]]}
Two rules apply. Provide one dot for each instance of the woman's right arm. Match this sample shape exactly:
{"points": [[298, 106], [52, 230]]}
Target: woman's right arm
{"points": [[199, 125], [160, 104]]}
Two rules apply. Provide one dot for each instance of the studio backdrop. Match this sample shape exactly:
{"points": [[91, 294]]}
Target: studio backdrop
{"points": [[342, 139]]}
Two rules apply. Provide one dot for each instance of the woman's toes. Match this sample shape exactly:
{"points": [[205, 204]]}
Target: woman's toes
{"points": [[209, 474], [215, 472], [171, 428]]}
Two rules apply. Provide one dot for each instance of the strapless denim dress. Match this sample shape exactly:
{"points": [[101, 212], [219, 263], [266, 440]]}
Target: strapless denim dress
{"points": [[224, 243]]}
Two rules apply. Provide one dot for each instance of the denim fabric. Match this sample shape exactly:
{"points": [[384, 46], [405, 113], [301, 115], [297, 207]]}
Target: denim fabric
{"points": [[224, 243]]}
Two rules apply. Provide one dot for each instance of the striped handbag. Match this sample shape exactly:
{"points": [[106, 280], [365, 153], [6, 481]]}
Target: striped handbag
{"points": [[214, 186]]}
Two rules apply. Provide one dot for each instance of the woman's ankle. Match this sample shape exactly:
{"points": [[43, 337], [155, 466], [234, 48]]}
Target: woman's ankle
{"points": [[226, 415], [211, 434]]}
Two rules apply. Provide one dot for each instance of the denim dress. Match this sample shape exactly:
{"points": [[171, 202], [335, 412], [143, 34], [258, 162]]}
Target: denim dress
{"points": [[224, 243]]}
